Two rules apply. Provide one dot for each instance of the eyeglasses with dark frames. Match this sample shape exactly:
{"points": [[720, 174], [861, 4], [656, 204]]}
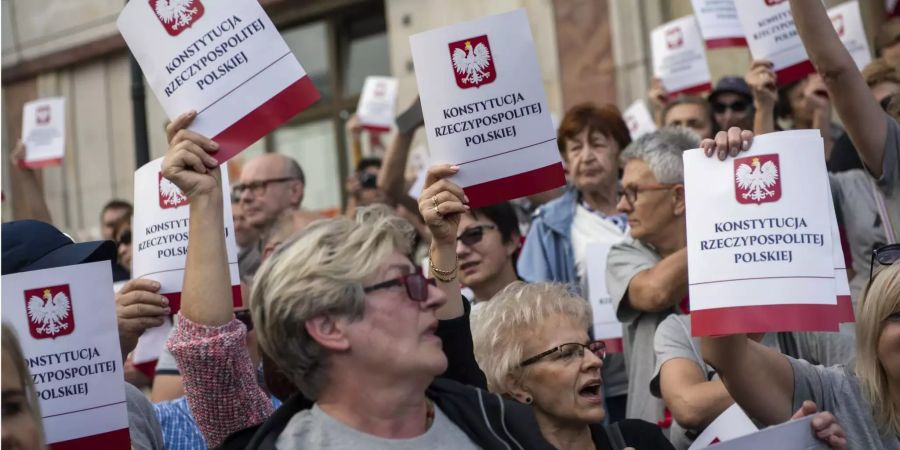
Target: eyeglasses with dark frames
{"points": [[245, 318], [124, 238], [415, 283], [569, 350], [474, 234], [885, 256], [631, 192], [257, 187]]}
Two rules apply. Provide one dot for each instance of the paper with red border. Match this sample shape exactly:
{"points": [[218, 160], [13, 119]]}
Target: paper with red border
{"points": [[77, 375], [491, 117], [848, 24], [719, 23], [377, 103], [231, 65], [44, 132], [776, 40], [606, 325], [159, 234], [679, 57], [765, 265], [791, 435]]}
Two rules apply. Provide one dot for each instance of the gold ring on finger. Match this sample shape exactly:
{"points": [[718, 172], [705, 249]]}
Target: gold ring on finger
{"points": [[434, 202], [438, 212]]}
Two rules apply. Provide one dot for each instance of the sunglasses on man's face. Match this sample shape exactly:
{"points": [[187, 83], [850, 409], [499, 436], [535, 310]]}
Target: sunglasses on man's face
{"points": [[473, 235], [738, 107], [124, 238], [885, 256]]}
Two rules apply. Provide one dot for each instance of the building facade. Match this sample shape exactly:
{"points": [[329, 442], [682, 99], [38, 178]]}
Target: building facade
{"points": [[589, 50]]}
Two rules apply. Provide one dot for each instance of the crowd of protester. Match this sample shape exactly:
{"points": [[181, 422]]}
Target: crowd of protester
{"points": [[347, 339]]}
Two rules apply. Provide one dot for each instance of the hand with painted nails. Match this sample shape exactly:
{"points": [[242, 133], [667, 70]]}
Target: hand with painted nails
{"points": [[824, 425], [727, 143], [441, 203], [138, 307], [189, 163]]}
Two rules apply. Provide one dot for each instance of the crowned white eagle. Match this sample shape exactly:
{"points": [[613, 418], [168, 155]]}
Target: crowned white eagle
{"points": [[49, 312], [756, 181], [175, 12], [472, 62], [170, 193]]}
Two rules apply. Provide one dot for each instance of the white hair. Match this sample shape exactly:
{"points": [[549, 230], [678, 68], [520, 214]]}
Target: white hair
{"points": [[662, 150]]}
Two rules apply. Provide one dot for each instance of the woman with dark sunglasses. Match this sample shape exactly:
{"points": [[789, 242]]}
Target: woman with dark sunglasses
{"points": [[487, 246]]}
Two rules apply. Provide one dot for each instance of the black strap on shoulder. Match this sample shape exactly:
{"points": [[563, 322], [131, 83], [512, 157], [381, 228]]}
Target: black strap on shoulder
{"points": [[616, 440]]}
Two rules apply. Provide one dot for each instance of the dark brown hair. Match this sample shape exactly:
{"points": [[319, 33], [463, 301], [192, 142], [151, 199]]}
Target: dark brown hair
{"points": [[604, 119]]}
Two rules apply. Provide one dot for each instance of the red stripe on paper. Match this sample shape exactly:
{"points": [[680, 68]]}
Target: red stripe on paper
{"points": [[147, 368], [616, 345], [40, 163], [265, 118], [698, 89], [793, 73], [520, 185], [175, 298], [764, 319], [113, 440], [845, 306], [726, 42]]}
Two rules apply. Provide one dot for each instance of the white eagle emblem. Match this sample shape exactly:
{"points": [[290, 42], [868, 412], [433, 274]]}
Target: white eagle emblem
{"points": [[757, 181], [472, 63], [175, 13], [49, 313], [169, 194]]}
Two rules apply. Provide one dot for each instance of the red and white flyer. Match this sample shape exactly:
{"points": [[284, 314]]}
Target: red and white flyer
{"points": [[225, 60], [606, 325], [771, 35], [638, 119], [485, 108], [377, 103], [848, 24], [759, 240], [44, 132], [160, 233], [719, 23], [65, 319], [679, 57]]}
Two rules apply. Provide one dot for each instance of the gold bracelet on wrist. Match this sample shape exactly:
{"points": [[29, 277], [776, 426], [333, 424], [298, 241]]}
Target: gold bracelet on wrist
{"points": [[445, 276]]}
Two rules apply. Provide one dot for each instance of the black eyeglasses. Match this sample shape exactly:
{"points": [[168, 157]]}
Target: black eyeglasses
{"points": [[568, 351], [473, 235], [257, 187], [738, 107], [885, 256], [631, 192], [245, 318], [124, 239], [415, 283]]}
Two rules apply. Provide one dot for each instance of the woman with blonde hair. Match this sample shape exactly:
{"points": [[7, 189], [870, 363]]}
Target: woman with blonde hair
{"points": [[21, 412]]}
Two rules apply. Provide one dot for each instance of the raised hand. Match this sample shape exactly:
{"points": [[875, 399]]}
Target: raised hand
{"points": [[138, 307], [727, 143], [762, 80], [188, 163], [441, 203]]}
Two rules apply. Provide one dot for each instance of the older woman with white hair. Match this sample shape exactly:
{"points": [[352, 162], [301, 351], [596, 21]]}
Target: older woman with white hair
{"points": [[532, 342]]}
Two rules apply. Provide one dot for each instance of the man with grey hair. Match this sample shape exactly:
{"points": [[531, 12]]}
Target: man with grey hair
{"points": [[269, 185], [647, 272]]}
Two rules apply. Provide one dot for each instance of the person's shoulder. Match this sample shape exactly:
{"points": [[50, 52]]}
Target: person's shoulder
{"points": [[632, 248], [675, 327]]}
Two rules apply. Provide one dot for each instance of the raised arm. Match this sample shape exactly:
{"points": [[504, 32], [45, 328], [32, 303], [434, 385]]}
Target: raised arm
{"points": [[26, 180], [693, 401], [858, 110], [441, 204], [661, 286], [759, 378], [761, 79]]}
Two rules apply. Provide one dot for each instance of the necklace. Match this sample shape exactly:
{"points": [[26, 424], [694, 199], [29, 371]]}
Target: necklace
{"points": [[429, 413]]}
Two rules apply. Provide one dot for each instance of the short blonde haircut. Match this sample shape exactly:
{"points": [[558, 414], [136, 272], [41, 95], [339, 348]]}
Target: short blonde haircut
{"points": [[880, 71], [318, 272], [504, 322], [10, 346], [880, 299]]}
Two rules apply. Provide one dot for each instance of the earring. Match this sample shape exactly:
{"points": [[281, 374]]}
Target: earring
{"points": [[528, 400]]}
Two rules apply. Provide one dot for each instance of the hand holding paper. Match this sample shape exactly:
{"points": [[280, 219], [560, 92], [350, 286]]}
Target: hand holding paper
{"points": [[188, 163], [138, 308]]}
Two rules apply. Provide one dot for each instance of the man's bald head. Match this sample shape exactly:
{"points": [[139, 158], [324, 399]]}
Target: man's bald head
{"points": [[270, 184]]}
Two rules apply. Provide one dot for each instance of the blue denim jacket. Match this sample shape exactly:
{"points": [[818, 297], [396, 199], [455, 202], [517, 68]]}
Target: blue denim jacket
{"points": [[547, 254]]}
